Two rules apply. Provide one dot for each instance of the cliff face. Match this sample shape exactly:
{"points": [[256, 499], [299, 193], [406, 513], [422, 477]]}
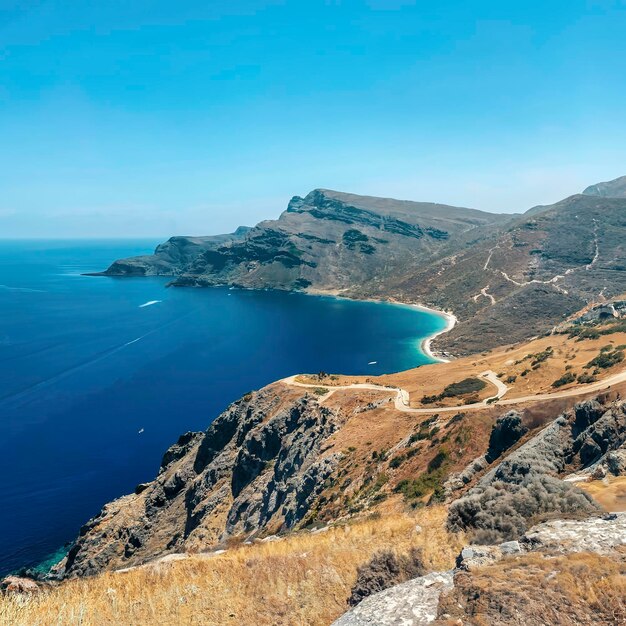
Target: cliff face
{"points": [[507, 278], [327, 240], [257, 468], [170, 258]]}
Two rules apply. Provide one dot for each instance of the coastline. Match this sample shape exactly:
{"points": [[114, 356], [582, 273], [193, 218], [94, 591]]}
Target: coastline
{"points": [[451, 321], [426, 344]]}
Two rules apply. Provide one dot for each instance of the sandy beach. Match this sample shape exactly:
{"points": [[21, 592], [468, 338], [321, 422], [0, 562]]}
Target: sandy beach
{"points": [[426, 344], [451, 321]]}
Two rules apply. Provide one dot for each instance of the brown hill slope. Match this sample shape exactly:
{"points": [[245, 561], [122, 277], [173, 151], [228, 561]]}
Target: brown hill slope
{"points": [[507, 278], [546, 265]]}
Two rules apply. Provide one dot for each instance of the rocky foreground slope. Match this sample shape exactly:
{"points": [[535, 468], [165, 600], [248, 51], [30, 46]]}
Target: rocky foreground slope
{"points": [[547, 577], [506, 277], [278, 460]]}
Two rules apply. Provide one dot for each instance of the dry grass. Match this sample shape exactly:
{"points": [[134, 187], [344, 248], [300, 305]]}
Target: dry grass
{"points": [[302, 579], [584, 589], [610, 493], [514, 363], [510, 361]]}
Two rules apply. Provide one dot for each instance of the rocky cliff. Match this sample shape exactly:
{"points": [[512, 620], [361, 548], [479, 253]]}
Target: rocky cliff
{"points": [[280, 459], [326, 241], [170, 258], [610, 189], [507, 278], [257, 469]]}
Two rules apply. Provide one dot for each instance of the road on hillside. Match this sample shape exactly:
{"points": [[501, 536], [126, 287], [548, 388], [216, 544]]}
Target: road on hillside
{"points": [[401, 401]]}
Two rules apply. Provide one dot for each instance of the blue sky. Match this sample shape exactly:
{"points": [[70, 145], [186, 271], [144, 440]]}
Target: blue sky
{"points": [[152, 118]]}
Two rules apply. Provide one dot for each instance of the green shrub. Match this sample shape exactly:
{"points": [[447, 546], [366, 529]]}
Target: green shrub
{"points": [[397, 461], [566, 379], [604, 360], [461, 388], [437, 461], [468, 385], [584, 379]]}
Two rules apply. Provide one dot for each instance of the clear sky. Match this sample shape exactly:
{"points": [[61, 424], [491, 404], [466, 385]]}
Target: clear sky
{"points": [[153, 118]]}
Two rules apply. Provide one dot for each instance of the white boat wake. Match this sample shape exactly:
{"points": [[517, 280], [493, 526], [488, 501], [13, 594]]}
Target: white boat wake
{"points": [[22, 289]]}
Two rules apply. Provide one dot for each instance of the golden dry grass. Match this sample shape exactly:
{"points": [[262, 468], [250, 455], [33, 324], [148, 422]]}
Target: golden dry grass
{"points": [[610, 493], [585, 589], [303, 579]]}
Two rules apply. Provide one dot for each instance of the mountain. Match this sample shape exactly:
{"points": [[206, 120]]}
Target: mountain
{"points": [[520, 282], [328, 241], [611, 189], [506, 277]]}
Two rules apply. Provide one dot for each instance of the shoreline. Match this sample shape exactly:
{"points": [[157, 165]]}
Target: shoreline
{"points": [[426, 343]]}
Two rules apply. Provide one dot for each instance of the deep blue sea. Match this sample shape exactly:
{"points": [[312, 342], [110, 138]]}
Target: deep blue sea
{"points": [[84, 367]]}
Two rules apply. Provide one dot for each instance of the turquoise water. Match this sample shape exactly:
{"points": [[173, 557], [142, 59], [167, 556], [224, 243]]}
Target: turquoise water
{"points": [[84, 367]]}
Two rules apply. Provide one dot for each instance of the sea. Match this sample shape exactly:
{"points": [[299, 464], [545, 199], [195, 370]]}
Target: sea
{"points": [[100, 375]]}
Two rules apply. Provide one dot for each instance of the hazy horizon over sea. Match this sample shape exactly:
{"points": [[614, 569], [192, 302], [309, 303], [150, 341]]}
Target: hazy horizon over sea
{"points": [[99, 376]]}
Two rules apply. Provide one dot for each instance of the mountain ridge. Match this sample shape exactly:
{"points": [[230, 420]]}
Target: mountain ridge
{"points": [[486, 267]]}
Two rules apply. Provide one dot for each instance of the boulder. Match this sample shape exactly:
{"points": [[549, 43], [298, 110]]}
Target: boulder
{"points": [[18, 584], [616, 462], [413, 603]]}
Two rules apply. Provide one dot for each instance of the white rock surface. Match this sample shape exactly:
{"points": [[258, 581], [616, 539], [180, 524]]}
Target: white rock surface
{"points": [[413, 603], [597, 534]]}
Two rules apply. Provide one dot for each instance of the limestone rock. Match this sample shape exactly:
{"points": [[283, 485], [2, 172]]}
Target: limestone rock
{"points": [[413, 603], [597, 534], [259, 464]]}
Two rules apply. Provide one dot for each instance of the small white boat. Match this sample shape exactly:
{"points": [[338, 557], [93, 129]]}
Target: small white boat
{"points": [[140, 431], [372, 362]]}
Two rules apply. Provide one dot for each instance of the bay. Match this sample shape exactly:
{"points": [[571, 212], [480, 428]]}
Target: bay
{"points": [[98, 376]]}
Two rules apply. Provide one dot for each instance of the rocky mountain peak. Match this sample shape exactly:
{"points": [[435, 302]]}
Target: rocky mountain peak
{"points": [[610, 189]]}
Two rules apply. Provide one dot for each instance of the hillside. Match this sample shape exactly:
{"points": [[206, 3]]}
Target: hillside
{"points": [[610, 189], [545, 265], [288, 457], [308, 500], [507, 278]]}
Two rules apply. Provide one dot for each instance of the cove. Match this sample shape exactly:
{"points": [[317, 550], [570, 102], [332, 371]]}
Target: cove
{"points": [[99, 376]]}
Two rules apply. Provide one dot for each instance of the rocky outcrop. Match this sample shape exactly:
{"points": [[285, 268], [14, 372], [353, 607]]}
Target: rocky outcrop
{"points": [[452, 597], [259, 466], [414, 603], [506, 432], [19, 585], [172, 257], [528, 482]]}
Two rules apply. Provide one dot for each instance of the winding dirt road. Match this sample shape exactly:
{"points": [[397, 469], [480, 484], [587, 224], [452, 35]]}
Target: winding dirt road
{"points": [[401, 401]]}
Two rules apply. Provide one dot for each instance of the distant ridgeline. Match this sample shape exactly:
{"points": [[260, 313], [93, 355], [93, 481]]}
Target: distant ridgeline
{"points": [[506, 277]]}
